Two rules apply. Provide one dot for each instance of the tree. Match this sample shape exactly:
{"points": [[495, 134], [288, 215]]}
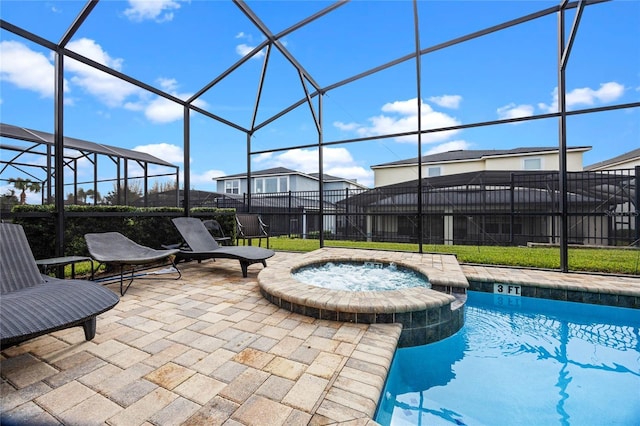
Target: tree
{"points": [[134, 192], [8, 200], [95, 195], [24, 185]]}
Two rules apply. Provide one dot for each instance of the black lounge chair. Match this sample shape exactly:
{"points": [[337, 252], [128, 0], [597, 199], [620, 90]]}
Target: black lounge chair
{"points": [[202, 245], [116, 249], [34, 304]]}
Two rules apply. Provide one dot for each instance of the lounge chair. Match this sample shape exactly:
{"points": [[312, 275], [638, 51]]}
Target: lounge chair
{"points": [[202, 245], [116, 249], [34, 304], [251, 226]]}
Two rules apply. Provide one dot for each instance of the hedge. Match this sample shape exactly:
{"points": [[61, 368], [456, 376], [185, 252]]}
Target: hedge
{"points": [[141, 225]]}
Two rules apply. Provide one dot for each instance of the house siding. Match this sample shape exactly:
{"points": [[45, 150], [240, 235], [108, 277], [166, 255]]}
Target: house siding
{"points": [[405, 173]]}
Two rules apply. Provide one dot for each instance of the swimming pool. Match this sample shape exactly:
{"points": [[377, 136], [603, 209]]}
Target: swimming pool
{"points": [[521, 361]]}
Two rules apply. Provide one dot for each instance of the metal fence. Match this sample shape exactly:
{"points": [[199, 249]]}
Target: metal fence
{"points": [[481, 208]]}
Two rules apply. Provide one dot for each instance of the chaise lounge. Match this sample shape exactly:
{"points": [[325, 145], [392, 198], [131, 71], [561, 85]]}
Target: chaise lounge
{"points": [[116, 249], [202, 245], [34, 304]]}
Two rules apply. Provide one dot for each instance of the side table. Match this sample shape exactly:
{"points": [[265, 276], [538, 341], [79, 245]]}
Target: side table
{"points": [[46, 264]]}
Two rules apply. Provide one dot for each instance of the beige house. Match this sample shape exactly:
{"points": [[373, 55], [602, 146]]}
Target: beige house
{"points": [[628, 160], [474, 196], [464, 161]]}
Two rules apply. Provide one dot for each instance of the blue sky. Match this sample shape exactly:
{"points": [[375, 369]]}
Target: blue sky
{"points": [[181, 46]]}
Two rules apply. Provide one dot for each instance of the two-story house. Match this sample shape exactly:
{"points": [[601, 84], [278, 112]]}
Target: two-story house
{"points": [[289, 200], [465, 161], [482, 196], [280, 180]]}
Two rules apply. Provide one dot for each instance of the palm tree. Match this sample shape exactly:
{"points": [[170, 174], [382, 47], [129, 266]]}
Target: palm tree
{"points": [[93, 194], [82, 195], [24, 185]]}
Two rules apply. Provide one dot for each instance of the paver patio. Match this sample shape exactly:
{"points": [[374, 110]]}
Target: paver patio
{"points": [[208, 349]]}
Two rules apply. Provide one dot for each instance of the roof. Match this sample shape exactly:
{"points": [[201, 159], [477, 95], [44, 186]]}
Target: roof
{"points": [[280, 171], [30, 135], [631, 155], [586, 186], [477, 154]]}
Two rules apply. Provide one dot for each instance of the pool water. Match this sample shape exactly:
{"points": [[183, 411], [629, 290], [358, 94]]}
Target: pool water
{"points": [[360, 276], [521, 361]]}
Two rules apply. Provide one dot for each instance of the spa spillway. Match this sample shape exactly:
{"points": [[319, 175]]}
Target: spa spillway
{"points": [[428, 313]]}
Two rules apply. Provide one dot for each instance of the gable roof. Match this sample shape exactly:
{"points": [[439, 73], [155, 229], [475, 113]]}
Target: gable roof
{"points": [[631, 155], [476, 154]]}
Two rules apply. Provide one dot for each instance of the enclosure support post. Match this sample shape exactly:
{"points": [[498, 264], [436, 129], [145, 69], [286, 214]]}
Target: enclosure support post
{"points": [[563, 59], [58, 154], [187, 168], [419, 96], [637, 206], [321, 171]]}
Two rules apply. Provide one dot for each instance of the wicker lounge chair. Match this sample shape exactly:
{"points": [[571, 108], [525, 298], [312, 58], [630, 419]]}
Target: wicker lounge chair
{"points": [[116, 249], [202, 245], [35, 304], [251, 226]]}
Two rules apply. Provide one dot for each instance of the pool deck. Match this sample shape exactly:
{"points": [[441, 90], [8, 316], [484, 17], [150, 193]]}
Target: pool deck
{"points": [[209, 349]]}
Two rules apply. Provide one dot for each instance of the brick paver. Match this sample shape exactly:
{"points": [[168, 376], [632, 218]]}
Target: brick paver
{"points": [[208, 349]]}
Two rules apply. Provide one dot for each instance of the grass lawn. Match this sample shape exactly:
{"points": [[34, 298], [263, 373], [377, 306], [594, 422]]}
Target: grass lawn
{"points": [[610, 261]]}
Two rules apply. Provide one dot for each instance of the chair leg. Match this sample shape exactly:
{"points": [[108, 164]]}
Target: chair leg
{"points": [[89, 327], [244, 265], [122, 292]]}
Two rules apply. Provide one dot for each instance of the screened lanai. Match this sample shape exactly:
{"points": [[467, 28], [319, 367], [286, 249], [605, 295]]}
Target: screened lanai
{"points": [[302, 76], [41, 144]]}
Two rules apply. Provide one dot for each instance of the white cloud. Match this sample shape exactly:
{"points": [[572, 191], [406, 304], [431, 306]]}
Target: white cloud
{"points": [[337, 162], [447, 101], [27, 69], [206, 178], [514, 111], [156, 10], [347, 127], [168, 84], [162, 110], [244, 36], [585, 96], [32, 70], [402, 117], [167, 152], [110, 90], [244, 49]]}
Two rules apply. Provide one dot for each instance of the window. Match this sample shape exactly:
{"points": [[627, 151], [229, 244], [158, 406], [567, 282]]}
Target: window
{"points": [[284, 184], [271, 184], [433, 171], [232, 186], [532, 164]]}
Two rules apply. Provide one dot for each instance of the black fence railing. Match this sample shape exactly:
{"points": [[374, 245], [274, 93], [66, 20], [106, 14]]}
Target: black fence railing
{"points": [[479, 208], [486, 208]]}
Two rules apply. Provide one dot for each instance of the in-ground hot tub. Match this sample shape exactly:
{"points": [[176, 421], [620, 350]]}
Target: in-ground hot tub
{"points": [[426, 314]]}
